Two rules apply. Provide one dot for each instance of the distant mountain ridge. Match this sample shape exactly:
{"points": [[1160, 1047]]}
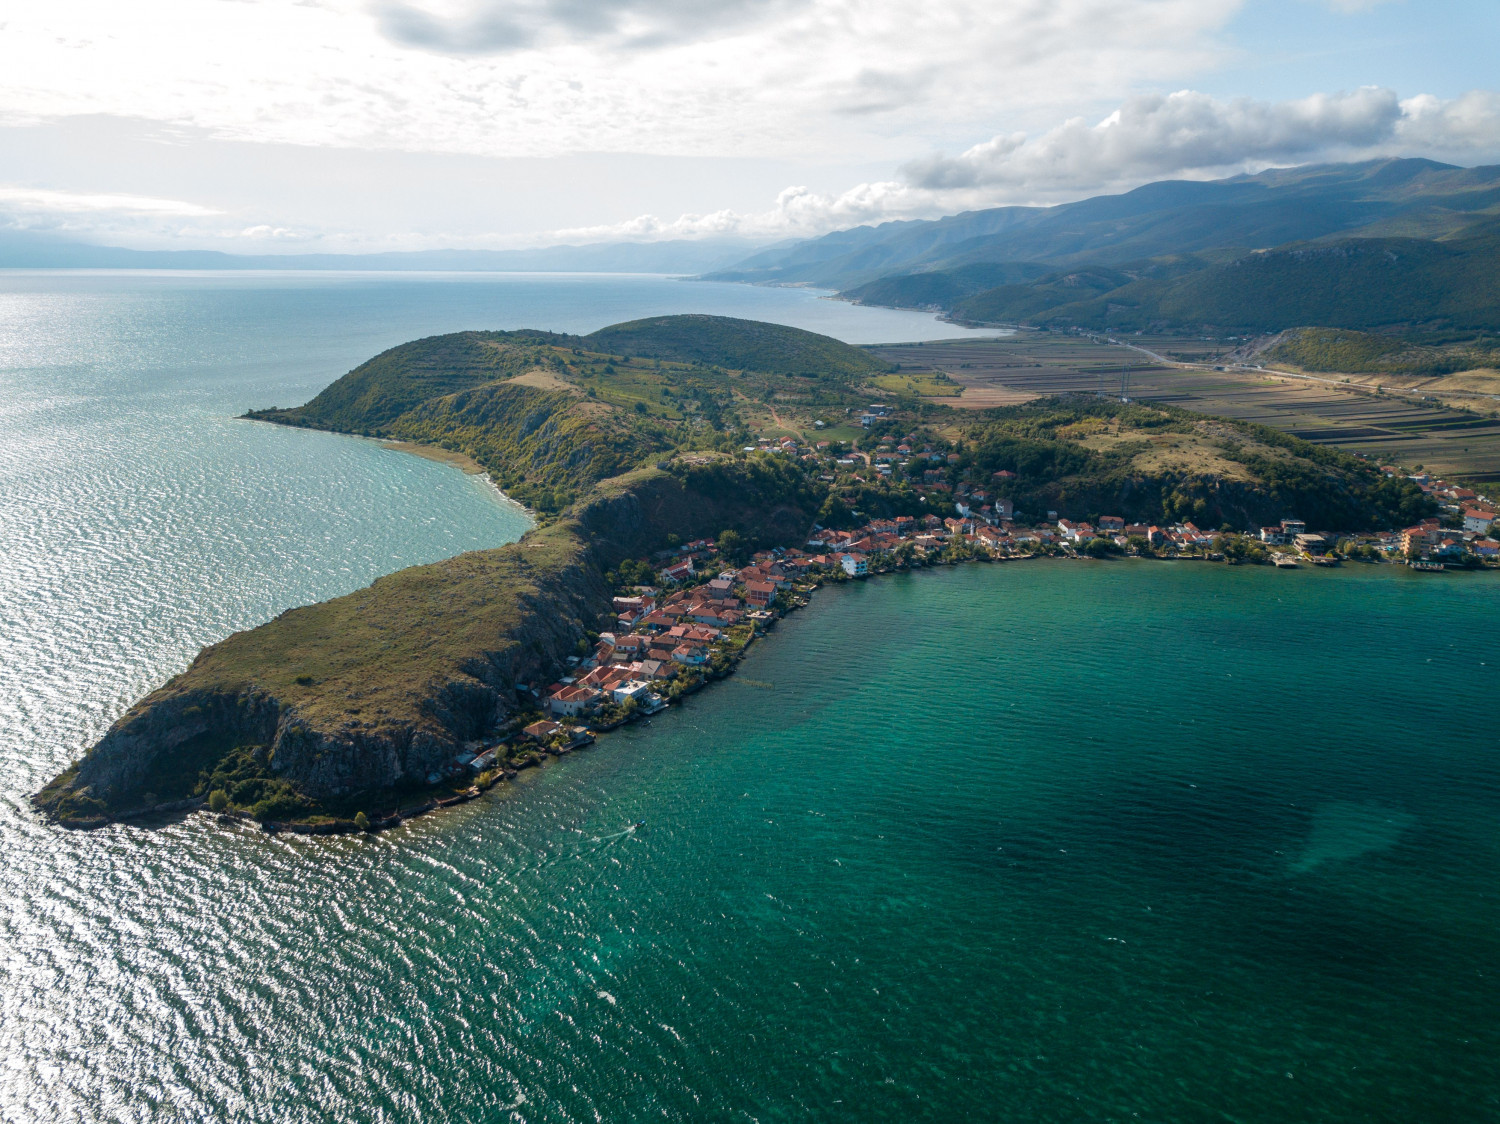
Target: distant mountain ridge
{"points": [[1213, 221], [32, 250]]}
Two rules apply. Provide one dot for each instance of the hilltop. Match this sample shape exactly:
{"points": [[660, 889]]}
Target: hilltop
{"points": [[623, 456]]}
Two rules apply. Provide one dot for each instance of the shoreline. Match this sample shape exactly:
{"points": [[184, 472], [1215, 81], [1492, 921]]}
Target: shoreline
{"points": [[462, 461], [450, 794]]}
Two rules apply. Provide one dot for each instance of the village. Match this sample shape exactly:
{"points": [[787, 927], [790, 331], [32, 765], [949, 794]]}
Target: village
{"points": [[702, 611]]}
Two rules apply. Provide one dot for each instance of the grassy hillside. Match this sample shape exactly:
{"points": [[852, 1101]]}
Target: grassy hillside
{"points": [[550, 415], [944, 288], [382, 389], [1342, 351], [1362, 284], [723, 341], [1087, 457]]}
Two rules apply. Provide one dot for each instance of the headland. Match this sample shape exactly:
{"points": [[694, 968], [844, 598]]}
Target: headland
{"points": [[692, 477]]}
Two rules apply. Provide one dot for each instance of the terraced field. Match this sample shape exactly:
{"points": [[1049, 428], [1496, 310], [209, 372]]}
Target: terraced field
{"points": [[1010, 369]]}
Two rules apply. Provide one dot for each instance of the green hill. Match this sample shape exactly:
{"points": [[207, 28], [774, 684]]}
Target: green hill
{"points": [[944, 288], [748, 345], [1340, 350], [381, 389], [548, 415], [1395, 284]]}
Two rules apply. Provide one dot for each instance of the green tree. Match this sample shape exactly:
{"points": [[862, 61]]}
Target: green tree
{"points": [[730, 545], [218, 800], [361, 821]]}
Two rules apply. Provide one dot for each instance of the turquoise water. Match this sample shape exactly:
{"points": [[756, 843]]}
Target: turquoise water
{"points": [[1036, 842]]}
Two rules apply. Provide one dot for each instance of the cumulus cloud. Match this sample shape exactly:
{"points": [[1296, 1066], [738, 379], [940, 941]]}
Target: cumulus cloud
{"points": [[1153, 136], [1181, 135]]}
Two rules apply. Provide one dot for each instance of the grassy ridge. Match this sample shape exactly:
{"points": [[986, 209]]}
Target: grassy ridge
{"points": [[378, 391], [749, 345], [1155, 463]]}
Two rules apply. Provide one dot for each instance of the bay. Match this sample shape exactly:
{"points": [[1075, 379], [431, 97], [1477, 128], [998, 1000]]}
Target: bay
{"points": [[1047, 841]]}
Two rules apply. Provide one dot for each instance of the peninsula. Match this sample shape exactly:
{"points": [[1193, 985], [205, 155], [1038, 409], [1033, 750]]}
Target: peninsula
{"points": [[651, 452]]}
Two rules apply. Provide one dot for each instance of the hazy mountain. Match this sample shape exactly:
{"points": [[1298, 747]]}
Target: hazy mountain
{"points": [[27, 249]]}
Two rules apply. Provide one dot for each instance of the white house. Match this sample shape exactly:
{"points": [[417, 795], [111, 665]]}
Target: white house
{"points": [[1477, 520], [855, 565]]}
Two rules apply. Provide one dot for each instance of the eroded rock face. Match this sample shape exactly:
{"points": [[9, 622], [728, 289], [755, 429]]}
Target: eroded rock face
{"points": [[325, 737]]}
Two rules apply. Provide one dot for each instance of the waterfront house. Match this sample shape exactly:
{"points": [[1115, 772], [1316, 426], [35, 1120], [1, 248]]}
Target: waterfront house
{"points": [[855, 565], [1111, 524], [1416, 539], [760, 594], [573, 700], [1292, 527], [1273, 536], [541, 731], [1075, 532]]}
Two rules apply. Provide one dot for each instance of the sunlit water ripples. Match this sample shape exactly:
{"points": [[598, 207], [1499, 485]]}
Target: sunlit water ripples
{"points": [[1042, 842]]}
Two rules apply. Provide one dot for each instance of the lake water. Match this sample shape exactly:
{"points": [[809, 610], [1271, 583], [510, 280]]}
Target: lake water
{"points": [[1036, 842]]}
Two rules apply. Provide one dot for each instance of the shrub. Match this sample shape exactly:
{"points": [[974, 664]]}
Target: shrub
{"points": [[361, 821], [218, 800]]}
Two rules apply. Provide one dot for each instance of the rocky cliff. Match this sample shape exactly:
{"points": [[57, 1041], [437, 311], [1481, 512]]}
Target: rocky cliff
{"points": [[377, 690]]}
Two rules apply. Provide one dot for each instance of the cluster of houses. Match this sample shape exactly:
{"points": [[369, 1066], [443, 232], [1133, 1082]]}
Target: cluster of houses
{"points": [[666, 634], [1430, 539]]}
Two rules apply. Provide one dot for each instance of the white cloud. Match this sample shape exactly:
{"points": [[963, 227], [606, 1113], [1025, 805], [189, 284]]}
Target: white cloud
{"points": [[41, 201], [845, 79], [1181, 135], [1154, 136]]}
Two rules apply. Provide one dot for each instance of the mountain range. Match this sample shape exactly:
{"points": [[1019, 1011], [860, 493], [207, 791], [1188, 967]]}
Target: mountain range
{"points": [[1398, 244], [23, 249]]}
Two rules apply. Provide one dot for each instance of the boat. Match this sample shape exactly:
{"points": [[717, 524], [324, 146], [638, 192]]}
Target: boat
{"points": [[1426, 567]]}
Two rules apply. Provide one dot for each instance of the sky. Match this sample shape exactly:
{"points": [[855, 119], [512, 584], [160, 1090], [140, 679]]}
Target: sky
{"points": [[258, 126]]}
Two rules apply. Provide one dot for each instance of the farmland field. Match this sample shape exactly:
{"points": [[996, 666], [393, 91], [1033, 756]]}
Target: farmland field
{"points": [[1355, 417]]}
